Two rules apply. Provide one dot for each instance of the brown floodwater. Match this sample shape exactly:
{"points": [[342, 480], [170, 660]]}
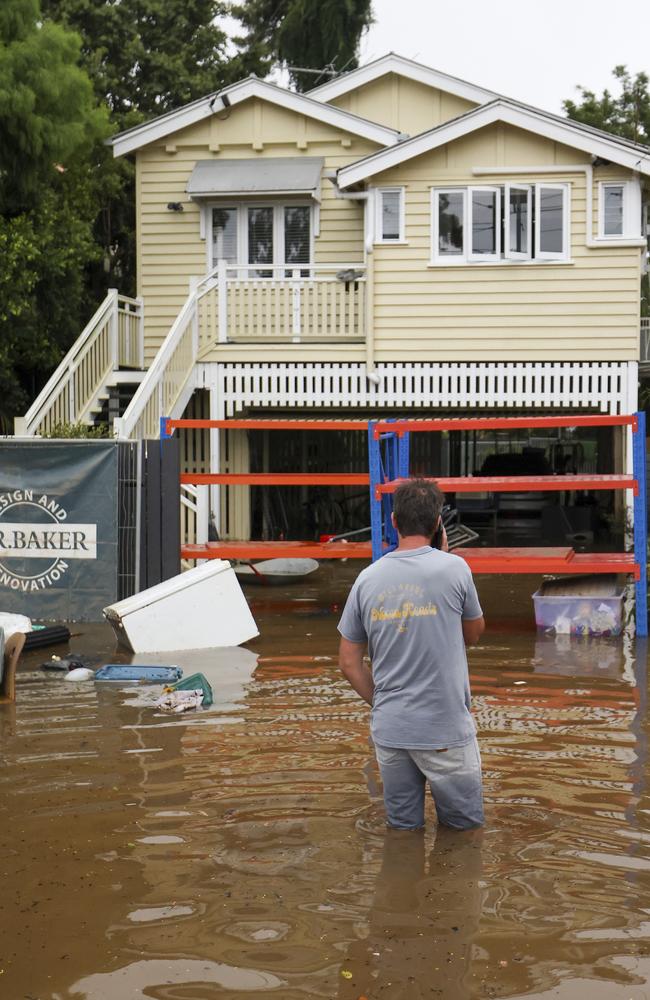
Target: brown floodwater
{"points": [[241, 851]]}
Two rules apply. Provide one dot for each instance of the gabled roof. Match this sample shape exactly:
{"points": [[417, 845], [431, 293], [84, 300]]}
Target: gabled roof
{"points": [[189, 114], [628, 154], [393, 63]]}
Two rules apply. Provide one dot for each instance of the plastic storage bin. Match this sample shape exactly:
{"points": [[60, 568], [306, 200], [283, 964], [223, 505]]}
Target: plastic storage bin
{"points": [[138, 672], [575, 614], [201, 608]]}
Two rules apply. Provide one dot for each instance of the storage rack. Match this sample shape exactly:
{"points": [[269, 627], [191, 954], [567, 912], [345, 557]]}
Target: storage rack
{"points": [[388, 463], [388, 450]]}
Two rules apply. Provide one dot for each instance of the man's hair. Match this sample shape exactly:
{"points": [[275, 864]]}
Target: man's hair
{"points": [[417, 504]]}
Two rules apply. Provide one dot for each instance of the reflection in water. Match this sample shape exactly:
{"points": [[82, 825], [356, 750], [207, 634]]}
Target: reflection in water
{"points": [[422, 920], [241, 851]]}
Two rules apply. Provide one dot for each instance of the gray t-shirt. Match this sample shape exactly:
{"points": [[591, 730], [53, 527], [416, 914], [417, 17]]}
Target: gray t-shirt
{"points": [[409, 606]]}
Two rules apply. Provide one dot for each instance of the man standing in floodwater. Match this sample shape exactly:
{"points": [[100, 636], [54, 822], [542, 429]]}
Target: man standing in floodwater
{"points": [[416, 609]]}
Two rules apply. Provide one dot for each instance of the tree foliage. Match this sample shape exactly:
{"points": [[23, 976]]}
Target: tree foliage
{"points": [[49, 125], [146, 57], [310, 34], [626, 114]]}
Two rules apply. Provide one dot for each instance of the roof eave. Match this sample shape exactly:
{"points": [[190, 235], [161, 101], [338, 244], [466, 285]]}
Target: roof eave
{"points": [[565, 131], [160, 128], [393, 63]]}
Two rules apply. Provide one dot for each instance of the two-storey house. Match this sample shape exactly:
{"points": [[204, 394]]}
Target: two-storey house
{"points": [[396, 241]]}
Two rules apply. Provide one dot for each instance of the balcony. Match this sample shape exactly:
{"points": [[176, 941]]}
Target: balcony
{"points": [[277, 304], [644, 355]]}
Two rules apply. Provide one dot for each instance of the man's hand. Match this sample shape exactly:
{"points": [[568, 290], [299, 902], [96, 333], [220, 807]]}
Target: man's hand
{"points": [[473, 630], [356, 672]]}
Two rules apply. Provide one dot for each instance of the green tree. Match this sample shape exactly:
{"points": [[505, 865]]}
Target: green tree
{"points": [[626, 114], [49, 125], [145, 57], [309, 34]]}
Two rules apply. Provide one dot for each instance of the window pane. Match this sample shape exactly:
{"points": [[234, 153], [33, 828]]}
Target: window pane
{"points": [[551, 229], [260, 238], [297, 234], [390, 213], [518, 221], [450, 223], [484, 222], [224, 235], [613, 210]]}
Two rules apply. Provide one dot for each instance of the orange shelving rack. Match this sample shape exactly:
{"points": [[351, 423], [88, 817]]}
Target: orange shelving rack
{"points": [[388, 463]]}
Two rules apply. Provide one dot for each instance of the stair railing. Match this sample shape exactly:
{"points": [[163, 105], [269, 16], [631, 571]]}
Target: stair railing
{"points": [[112, 338], [166, 388]]}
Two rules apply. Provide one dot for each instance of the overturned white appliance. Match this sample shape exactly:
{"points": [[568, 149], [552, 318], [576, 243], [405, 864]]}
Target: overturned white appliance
{"points": [[201, 608]]}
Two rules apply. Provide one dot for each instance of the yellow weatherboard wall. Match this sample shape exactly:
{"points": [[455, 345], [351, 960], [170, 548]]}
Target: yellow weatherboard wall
{"points": [[404, 104], [170, 250], [585, 310]]}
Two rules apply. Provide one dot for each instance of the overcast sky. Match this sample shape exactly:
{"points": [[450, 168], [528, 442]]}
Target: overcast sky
{"points": [[533, 51]]}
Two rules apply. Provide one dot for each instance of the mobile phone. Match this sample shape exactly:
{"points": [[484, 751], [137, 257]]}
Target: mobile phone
{"points": [[436, 541]]}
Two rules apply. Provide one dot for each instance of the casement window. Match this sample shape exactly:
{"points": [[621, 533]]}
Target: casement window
{"points": [[516, 222], [260, 236], [619, 209], [389, 225], [551, 221]]}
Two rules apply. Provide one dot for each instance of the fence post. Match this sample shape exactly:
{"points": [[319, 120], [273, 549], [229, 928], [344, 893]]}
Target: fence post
{"points": [[222, 287], [113, 332], [295, 306]]}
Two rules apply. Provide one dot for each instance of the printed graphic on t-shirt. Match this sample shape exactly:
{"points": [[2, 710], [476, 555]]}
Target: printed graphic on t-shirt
{"points": [[408, 607]]}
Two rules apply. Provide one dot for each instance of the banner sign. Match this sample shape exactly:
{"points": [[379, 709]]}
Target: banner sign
{"points": [[58, 528]]}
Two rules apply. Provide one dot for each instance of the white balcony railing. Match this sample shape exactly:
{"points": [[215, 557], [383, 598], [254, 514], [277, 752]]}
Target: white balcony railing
{"points": [[253, 304], [113, 339], [318, 304]]}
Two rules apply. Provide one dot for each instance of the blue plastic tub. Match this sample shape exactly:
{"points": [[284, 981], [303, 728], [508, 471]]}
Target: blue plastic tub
{"points": [[136, 672]]}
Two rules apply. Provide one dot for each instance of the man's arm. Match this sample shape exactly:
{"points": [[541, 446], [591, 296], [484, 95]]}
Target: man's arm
{"points": [[356, 672], [473, 630]]}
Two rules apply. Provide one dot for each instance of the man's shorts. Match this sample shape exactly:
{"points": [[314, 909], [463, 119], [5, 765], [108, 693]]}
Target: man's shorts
{"points": [[454, 777]]}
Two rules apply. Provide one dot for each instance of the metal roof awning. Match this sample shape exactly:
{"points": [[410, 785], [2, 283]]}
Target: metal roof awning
{"points": [[271, 176]]}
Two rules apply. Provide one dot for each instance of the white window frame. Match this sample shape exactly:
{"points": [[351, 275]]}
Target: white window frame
{"points": [[379, 236], [447, 259], [278, 207], [509, 253], [632, 215], [566, 214], [468, 235]]}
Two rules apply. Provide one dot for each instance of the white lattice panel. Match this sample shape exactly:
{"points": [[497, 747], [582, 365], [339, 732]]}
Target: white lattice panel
{"points": [[608, 387]]}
